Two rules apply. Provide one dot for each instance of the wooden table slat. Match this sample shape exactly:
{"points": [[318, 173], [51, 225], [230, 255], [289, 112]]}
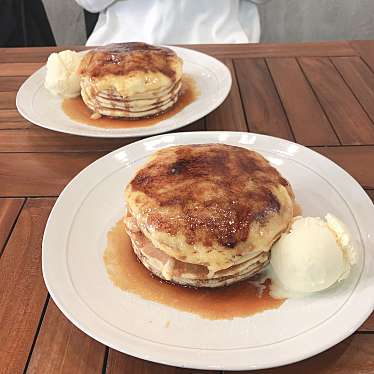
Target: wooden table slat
{"points": [[15, 125], [307, 119], [36, 139], [368, 325], [356, 160], [11, 83], [22, 292], [63, 348], [40, 174], [365, 49], [360, 79], [119, 363], [370, 194], [262, 106], [16, 69], [35, 54], [229, 115], [328, 48], [350, 121], [9, 210], [8, 100], [10, 115], [341, 48], [353, 355], [195, 126]]}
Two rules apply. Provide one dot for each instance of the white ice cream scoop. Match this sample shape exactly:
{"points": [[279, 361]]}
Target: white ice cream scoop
{"points": [[62, 76], [314, 255]]}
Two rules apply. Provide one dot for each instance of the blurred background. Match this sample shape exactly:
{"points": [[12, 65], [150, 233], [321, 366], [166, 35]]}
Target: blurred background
{"points": [[281, 20]]}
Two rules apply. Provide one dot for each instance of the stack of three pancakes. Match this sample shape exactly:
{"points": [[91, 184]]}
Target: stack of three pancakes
{"points": [[206, 215], [130, 80]]}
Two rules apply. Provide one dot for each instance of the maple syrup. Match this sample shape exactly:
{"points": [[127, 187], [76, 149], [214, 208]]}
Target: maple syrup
{"points": [[126, 272], [77, 110]]}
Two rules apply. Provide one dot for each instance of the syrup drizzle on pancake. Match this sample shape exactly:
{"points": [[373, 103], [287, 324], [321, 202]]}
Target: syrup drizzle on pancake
{"points": [[123, 58]]}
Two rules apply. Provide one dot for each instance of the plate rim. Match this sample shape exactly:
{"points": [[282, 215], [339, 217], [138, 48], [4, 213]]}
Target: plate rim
{"points": [[144, 354], [152, 131]]}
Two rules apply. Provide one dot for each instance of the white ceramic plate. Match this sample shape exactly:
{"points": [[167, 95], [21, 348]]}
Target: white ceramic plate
{"points": [[212, 77], [74, 272]]}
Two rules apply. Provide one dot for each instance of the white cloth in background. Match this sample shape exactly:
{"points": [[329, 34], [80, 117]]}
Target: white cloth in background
{"points": [[174, 21]]}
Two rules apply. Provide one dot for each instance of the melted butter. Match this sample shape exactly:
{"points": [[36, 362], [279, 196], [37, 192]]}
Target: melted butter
{"points": [[126, 272], [77, 110]]}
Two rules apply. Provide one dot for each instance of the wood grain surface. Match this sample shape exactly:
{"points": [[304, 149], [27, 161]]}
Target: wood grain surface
{"points": [[22, 292], [69, 350], [229, 115], [262, 106], [365, 50], [119, 363], [360, 80], [318, 94], [11, 83], [9, 210], [357, 161], [350, 121], [308, 120], [16, 69], [40, 174], [330, 48], [353, 355], [7, 100], [41, 140]]}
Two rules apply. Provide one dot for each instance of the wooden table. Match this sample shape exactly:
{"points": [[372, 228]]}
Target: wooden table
{"points": [[320, 95]]}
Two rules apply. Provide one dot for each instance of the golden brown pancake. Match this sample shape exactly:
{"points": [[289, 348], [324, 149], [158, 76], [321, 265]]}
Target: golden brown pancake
{"points": [[216, 206], [132, 80]]}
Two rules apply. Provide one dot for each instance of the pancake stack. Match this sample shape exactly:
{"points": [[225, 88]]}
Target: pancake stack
{"points": [[206, 215], [130, 80]]}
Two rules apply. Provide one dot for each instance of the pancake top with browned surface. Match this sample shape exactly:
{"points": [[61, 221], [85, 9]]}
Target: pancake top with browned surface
{"points": [[211, 195], [124, 58]]}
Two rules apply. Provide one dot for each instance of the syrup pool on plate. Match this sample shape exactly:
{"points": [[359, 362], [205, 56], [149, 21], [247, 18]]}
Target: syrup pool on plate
{"points": [[126, 272], [77, 110]]}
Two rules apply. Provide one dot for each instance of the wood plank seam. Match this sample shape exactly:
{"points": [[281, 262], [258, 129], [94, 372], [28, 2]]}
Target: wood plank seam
{"points": [[306, 117], [240, 94], [11, 229], [205, 125], [36, 333], [280, 99], [105, 361], [350, 89], [365, 62], [265, 114], [29, 197], [346, 114], [319, 102], [357, 46]]}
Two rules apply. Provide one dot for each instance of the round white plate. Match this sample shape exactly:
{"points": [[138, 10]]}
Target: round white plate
{"points": [[213, 79], [74, 272]]}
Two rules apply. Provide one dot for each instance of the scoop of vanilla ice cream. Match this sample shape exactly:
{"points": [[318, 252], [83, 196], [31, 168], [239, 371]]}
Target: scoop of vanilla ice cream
{"points": [[62, 74], [314, 255]]}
